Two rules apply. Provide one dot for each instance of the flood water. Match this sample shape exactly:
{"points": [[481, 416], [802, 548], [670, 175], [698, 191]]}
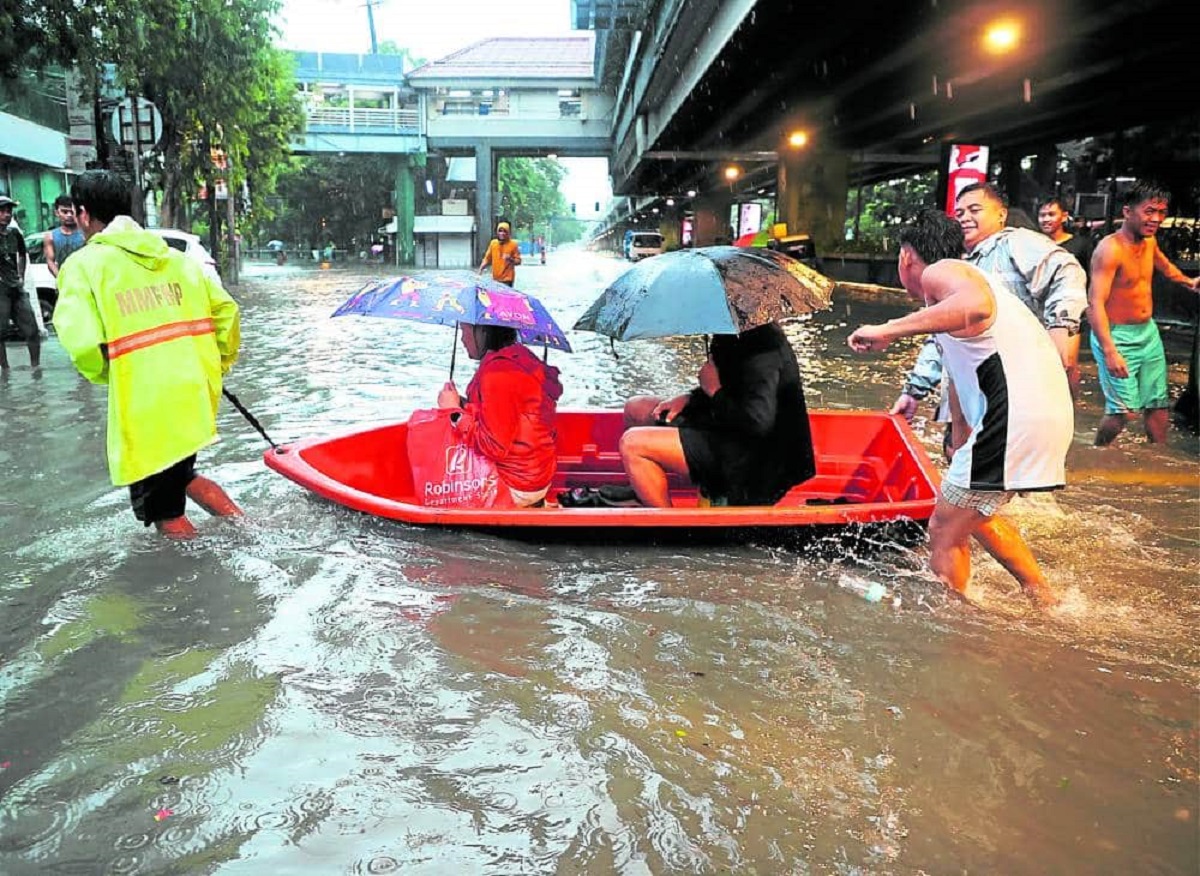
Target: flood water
{"points": [[313, 691]]}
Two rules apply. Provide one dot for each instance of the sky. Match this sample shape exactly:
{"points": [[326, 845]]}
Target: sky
{"points": [[428, 28], [432, 29]]}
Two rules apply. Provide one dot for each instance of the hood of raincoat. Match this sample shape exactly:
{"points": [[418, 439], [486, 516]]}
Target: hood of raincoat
{"points": [[144, 247]]}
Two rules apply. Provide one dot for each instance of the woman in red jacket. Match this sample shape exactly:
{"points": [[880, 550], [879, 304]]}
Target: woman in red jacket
{"points": [[508, 413]]}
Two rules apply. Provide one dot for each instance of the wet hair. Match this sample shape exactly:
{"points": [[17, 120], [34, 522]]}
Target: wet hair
{"points": [[1144, 190], [1018, 218], [989, 191], [64, 201], [933, 236], [103, 193], [494, 337], [1052, 202]]}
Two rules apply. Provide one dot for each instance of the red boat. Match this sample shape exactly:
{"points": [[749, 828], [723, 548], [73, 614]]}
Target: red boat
{"points": [[870, 469]]}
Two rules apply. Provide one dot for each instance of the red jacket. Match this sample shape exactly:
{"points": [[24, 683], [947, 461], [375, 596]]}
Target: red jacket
{"points": [[509, 416]]}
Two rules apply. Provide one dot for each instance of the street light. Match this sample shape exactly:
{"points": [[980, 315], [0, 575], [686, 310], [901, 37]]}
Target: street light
{"points": [[1001, 36], [798, 139], [732, 172]]}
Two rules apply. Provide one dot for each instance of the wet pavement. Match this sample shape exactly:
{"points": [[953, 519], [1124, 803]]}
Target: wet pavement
{"points": [[315, 691]]}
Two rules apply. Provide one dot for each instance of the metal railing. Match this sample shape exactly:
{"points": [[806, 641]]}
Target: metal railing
{"points": [[566, 110], [361, 119]]}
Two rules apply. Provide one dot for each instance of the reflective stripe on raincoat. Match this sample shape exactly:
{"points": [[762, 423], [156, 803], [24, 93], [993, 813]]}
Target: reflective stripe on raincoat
{"points": [[144, 318]]}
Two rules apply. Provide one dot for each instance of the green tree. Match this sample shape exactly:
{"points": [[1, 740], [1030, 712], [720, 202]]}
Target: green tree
{"points": [[210, 66], [330, 197], [530, 198], [885, 205], [389, 47]]}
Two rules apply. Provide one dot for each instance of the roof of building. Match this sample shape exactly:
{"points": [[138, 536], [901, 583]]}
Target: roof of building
{"points": [[565, 57]]}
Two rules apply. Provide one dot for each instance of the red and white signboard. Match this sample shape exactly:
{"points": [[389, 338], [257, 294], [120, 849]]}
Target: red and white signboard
{"points": [[968, 165]]}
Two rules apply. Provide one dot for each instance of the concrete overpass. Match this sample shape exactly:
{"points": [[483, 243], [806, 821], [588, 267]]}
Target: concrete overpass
{"points": [[877, 87], [673, 91]]}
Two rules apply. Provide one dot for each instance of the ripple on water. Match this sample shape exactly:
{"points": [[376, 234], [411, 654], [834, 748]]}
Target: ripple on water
{"points": [[31, 825], [380, 864], [123, 864]]}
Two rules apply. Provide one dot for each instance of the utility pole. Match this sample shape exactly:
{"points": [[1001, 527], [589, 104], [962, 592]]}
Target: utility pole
{"points": [[370, 4]]}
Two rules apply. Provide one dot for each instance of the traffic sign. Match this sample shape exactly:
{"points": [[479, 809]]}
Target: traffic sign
{"points": [[148, 121]]}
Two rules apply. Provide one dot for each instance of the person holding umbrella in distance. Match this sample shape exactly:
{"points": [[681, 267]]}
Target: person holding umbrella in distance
{"points": [[1009, 398]]}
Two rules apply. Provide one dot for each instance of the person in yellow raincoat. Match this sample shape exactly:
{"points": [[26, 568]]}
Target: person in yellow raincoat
{"points": [[144, 319]]}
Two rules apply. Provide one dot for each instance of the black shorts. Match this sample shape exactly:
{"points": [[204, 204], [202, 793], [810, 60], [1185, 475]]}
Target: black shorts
{"points": [[14, 302], [163, 496], [710, 457]]}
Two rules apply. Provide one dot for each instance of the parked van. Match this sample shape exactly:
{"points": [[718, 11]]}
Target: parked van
{"points": [[643, 244]]}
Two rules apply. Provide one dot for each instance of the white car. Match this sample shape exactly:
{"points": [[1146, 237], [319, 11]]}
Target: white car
{"points": [[40, 285]]}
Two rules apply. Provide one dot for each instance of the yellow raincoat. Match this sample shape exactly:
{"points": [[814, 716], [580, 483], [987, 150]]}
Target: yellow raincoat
{"points": [[144, 318]]}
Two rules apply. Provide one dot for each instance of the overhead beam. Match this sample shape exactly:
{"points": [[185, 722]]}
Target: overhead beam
{"points": [[710, 155], [772, 155]]}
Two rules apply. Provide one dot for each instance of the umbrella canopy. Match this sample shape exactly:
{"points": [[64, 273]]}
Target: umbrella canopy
{"points": [[451, 297], [714, 290], [755, 238]]}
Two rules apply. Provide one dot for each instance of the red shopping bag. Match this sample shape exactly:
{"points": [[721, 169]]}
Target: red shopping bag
{"points": [[446, 471]]}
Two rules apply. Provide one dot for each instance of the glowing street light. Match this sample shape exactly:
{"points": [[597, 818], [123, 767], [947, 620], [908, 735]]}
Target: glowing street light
{"points": [[732, 172], [798, 139], [1001, 37]]}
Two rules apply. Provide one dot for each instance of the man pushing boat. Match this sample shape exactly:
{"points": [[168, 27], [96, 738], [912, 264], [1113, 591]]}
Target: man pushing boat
{"points": [[1010, 398]]}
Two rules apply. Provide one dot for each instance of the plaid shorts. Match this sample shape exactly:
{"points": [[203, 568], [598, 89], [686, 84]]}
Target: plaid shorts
{"points": [[986, 503]]}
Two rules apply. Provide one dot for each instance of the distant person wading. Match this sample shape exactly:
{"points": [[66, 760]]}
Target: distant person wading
{"points": [[503, 255]]}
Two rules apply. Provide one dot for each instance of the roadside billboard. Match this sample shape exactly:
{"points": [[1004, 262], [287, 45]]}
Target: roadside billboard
{"points": [[964, 165]]}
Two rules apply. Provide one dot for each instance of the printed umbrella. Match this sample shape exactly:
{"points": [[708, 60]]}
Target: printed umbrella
{"points": [[451, 297], [713, 290]]}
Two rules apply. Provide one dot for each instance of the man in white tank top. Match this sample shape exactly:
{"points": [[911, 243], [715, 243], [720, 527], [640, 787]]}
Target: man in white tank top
{"points": [[1009, 392]]}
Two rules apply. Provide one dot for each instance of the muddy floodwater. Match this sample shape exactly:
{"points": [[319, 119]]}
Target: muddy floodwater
{"points": [[313, 691]]}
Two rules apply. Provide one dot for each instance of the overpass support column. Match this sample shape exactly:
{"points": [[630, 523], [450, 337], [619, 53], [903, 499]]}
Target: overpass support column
{"points": [[406, 207], [712, 219], [812, 189], [485, 210]]}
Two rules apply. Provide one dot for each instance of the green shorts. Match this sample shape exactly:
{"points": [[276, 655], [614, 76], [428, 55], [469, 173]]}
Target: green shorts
{"points": [[1145, 388]]}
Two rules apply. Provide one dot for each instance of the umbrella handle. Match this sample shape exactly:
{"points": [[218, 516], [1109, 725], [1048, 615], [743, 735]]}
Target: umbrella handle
{"points": [[706, 352], [453, 352]]}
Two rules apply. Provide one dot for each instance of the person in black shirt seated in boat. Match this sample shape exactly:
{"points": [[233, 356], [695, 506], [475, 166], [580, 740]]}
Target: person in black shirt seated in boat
{"points": [[742, 436]]}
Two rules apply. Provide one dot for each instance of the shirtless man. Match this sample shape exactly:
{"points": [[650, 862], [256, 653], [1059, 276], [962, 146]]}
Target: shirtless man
{"points": [[1125, 341]]}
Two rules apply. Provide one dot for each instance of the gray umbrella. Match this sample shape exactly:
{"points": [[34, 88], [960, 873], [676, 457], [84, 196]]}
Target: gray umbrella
{"points": [[713, 290]]}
